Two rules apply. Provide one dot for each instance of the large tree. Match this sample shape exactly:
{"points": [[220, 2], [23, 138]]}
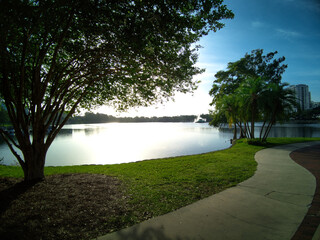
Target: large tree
{"points": [[58, 56], [253, 65], [251, 90]]}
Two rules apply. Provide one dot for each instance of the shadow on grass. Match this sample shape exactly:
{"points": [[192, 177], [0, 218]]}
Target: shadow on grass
{"points": [[270, 144], [12, 193], [136, 233]]}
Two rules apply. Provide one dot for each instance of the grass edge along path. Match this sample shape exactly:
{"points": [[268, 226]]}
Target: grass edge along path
{"points": [[158, 186]]}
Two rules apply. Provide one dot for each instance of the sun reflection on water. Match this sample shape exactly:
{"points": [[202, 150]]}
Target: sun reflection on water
{"points": [[128, 142], [116, 143]]}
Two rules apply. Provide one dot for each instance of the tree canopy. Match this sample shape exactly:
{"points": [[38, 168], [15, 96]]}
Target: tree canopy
{"points": [[252, 65], [251, 90], [58, 56]]}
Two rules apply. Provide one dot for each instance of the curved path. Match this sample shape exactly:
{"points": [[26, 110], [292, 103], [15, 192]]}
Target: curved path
{"points": [[269, 205], [309, 158]]}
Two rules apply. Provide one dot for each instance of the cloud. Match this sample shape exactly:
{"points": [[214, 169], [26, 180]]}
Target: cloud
{"points": [[309, 5], [313, 6], [257, 24], [212, 67], [288, 34]]}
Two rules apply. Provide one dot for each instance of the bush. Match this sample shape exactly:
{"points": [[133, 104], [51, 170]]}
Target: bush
{"points": [[257, 142]]}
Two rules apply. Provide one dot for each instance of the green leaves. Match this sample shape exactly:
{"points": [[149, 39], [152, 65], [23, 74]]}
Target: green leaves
{"points": [[59, 56], [99, 46], [250, 90]]}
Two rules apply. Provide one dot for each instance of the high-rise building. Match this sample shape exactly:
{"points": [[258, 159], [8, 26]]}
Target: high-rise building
{"points": [[303, 96]]}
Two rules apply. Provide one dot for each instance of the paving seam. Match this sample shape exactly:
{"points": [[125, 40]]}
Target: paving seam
{"points": [[267, 195]]}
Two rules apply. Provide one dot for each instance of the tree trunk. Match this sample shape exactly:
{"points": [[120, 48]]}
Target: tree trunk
{"points": [[34, 167], [261, 131], [248, 132], [252, 129], [242, 132], [253, 114], [235, 131]]}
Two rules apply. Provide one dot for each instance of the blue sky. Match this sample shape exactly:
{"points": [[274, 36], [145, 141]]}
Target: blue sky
{"points": [[291, 27]]}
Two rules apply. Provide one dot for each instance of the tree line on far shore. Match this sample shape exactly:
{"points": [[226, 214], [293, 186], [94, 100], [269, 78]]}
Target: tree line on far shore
{"points": [[89, 117]]}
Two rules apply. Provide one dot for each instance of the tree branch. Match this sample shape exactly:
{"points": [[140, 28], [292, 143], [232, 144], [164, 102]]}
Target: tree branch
{"points": [[57, 48], [54, 132], [8, 141]]}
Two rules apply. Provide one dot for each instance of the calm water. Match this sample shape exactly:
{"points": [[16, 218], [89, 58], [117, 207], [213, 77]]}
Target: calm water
{"points": [[128, 142]]}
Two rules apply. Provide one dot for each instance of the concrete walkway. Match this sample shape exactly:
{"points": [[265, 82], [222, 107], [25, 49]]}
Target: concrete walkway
{"points": [[269, 205]]}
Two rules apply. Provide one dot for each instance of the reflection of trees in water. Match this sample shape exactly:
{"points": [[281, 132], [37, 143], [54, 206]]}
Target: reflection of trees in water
{"points": [[65, 132], [86, 131], [62, 133], [295, 132], [226, 132], [2, 141], [91, 131], [283, 131]]}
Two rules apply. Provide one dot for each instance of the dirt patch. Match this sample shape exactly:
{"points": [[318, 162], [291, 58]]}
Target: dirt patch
{"points": [[68, 206]]}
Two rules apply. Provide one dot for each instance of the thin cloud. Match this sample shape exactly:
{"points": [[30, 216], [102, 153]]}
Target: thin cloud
{"points": [[257, 24], [288, 34], [310, 5], [211, 68]]}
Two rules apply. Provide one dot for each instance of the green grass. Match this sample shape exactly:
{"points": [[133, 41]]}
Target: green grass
{"points": [[159, 186]]}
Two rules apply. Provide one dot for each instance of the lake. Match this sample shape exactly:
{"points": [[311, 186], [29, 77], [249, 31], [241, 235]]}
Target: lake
{"points": [[113, 143]]}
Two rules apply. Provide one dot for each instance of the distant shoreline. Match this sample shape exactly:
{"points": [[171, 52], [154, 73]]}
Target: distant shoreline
{"points": [[103, 118], [304, 121], [145, 120]]}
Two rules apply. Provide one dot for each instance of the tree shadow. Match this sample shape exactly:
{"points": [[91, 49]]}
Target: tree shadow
{"points": [[148, 233], [12, 193]]}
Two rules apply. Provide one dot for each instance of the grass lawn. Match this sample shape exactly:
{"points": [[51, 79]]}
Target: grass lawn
{"points": [[148, 189]]}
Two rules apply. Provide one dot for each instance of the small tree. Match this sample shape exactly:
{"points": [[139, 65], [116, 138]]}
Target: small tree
{"points": [[58, 56], [226, 110]]}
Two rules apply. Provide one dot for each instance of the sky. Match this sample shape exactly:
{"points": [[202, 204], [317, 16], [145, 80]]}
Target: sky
{"points": [[291, 27]]}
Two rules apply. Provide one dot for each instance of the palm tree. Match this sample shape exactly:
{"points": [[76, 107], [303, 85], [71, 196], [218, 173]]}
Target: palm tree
{"points": [[250, 95], [227, 105], [279, 103]]}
